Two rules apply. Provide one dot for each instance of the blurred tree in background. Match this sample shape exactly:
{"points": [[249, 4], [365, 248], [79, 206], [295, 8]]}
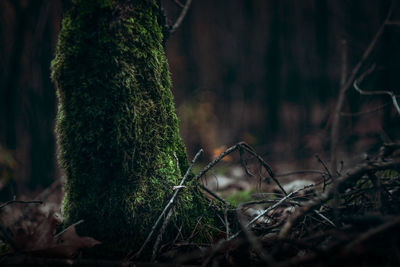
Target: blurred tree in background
{"points": [[271, 69], [27, 98], [263, 71]]}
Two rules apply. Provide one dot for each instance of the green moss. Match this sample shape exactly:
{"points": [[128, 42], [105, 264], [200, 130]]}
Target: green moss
{"points": [[117, 132], [240, 197]]}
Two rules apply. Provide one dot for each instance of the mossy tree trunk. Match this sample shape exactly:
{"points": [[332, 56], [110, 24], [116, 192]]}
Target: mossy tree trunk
{"points": [[117, 131]]}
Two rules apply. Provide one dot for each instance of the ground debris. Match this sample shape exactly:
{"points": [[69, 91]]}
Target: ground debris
{"points": [[351, 219]]}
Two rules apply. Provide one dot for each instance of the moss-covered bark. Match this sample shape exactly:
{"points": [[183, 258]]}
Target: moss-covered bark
{"points": [[117, 131]]}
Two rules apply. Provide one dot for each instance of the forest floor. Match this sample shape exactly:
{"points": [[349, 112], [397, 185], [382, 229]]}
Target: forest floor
{"points": [[289, 217]]}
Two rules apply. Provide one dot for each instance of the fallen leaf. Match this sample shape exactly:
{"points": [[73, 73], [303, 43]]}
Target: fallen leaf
{"points": [[41, 240]]}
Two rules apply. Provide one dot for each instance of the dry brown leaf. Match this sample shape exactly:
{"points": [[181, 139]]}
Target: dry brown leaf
{"points": [[36, 235], [40, 240]]}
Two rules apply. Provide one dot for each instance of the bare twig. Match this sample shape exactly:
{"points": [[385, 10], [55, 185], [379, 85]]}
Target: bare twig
{"points": [[324, 217], [226, 222], [368, 51], [215, 161], [269, 209], [299, 172], [20, 202], [347, 84], [167, 207], [159, 237], [249, 149], [214, 195], [341, 184], [194, 229], [338, 108], [243, 163], [254, 242], [263, 201], [72, 225], [179, 3], [324, 165], [381, 92], [181, 16], [327, 171], [43, 196], [223, 243]]}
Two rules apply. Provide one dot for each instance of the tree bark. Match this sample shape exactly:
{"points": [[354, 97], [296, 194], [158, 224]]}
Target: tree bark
{"points": [[117, 131]]}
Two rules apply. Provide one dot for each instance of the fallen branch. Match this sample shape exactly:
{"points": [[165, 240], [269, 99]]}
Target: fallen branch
{"points": [[224, 242], [181, 16], [347, 251], [340, 186]]}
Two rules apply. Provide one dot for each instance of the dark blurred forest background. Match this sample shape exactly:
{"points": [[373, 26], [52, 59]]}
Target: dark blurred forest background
{"points": [[264, 71]]}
